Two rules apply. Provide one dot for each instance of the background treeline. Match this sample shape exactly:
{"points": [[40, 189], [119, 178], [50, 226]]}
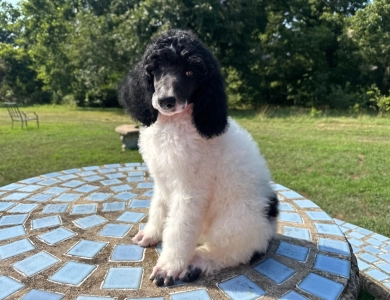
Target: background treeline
{"points": [[311, 53]]}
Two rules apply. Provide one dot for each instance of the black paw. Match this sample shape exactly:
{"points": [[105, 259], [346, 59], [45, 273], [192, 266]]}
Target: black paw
{"points": [[192, 274], [161, 280]]}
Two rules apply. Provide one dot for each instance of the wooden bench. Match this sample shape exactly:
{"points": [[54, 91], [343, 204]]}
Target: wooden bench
{"points": [[19, 116]]}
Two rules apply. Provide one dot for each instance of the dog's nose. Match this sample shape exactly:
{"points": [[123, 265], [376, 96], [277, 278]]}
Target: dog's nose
{"points": [[167, 102]]}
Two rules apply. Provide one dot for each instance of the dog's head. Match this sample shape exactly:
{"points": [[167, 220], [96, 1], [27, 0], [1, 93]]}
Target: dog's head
{"points": [[177, 69]]}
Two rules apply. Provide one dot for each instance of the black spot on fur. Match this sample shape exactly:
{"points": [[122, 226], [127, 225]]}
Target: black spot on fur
{"points": [[209, 97], [272, 210], [192, 274], [255, 256]]}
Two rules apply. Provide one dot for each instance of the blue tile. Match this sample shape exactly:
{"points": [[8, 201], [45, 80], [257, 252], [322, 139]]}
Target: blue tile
{"points": [[31, 180], [15, 248], [115, 175], [332, 265], [125, 196], [49, 182], [292, 295], [279, 187], [11, 232], [299, 233], [290, 194], [6, 205], [93, 178], [46, 222], [372, 250], [338, 222], [133, 164], [112, 166], [13, 219], [23, 208], [36, 263], [30, 188], [343, 229], [9, 286], [274, 270], [355, 249], [362, 265], [377, 275], [56, 190], [86, 188], [154, 298], [136, 174], [306, 204], [139, 203], [384, 266], [241, 288], [132, 217], [86, 249], [16, 196], [148, 193], [286, 207], [385, 257], [356, 235], [369, 258], [110, 182], [290, 217], [11, 187], [106, 171], [321, 287], [67, 177], [200, 294], [159, 248], [387, 248], [387, 284], [55, 208], [123, 278], [292, 251], [145, 185], [73, 273], [42, 295], [331, 229], [127, 253], [90, 221], [55, 236], [143, 168], [51, 175], [142, 226], [318, 216], [135, 179], [349, 226], [95, 298], [40, 197], [364, 231], [91, 168], [115, 230], [334, 246], [98, 197], [355, 242], [73, 183], [86, 174], [374, 242], [121, 188], [71, 171], [83, 209], [114, 206], [67, 197], [380, 237], [125, 169]]}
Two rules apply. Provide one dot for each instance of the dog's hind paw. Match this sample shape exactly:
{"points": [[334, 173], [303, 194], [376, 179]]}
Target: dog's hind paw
{"points": [[143, 240], [192, 273]]}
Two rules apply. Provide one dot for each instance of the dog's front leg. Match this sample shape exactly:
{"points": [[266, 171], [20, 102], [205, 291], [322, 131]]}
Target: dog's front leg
{"points": [[182, 229], [152, 233]]}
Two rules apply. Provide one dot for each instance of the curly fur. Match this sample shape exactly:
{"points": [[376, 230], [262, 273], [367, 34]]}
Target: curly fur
{"points": [[213, 206]]}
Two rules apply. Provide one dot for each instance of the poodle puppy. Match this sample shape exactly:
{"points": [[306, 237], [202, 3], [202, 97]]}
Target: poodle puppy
{"points": [[213, 206]]}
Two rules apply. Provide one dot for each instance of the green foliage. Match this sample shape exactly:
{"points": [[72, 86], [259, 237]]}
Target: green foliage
{"points": [[381, 102]]}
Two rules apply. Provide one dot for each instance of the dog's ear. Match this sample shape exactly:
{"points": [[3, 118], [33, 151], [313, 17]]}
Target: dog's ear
{"points": [[135, 95], [209, 114]]}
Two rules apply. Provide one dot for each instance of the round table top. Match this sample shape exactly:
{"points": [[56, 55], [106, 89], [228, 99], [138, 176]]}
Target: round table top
{"points": [[67, 235]]}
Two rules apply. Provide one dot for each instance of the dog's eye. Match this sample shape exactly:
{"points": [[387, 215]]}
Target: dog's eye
{"points": [[189, 73]]}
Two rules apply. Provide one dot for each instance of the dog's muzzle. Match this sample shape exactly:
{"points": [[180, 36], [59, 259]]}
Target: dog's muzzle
{"points": [[167, 103]]}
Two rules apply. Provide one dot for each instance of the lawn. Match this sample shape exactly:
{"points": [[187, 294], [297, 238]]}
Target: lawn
{"points": [[339, 162]]}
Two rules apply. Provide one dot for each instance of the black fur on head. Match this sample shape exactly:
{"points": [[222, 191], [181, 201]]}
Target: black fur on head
{"points": [[177, 67]]}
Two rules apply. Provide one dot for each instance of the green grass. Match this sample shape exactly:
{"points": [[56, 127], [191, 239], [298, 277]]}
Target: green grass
{"points": [[340, 162]]}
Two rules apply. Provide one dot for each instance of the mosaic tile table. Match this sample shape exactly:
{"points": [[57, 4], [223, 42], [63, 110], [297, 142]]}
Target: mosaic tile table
{"points": [[66, 235]]}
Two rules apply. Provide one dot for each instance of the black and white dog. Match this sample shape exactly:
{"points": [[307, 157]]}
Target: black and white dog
{"points": [[213, 206]]}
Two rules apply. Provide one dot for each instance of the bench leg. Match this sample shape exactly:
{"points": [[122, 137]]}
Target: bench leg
{"points": [[38, 123]]}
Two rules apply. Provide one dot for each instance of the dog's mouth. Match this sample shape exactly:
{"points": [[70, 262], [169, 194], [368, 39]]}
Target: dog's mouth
{"points": [[169, 106]]}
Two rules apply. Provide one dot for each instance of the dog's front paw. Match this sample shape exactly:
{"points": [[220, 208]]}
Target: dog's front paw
{"points": [[199, 265], [164, 274], [144, 240]]}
